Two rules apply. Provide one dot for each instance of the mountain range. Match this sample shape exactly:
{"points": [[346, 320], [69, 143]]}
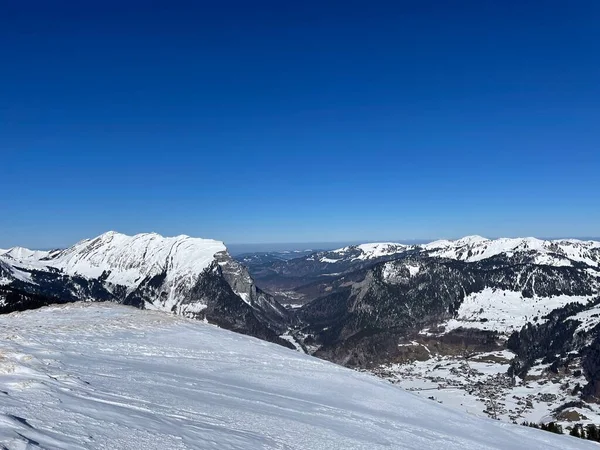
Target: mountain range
{"points": [[508, 328]]}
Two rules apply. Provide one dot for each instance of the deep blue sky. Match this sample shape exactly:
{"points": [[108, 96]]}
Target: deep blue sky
{"points": [[299, 121]]}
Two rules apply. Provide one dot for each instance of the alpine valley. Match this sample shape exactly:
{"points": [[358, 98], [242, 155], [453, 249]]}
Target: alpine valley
{"points": [[505, 328]]}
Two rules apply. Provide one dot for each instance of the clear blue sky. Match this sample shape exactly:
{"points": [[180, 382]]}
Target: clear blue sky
{"points": [[299, 121]]}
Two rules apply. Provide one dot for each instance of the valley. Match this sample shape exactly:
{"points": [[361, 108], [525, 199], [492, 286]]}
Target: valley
{"points": [[447, 320], [506, 329]]}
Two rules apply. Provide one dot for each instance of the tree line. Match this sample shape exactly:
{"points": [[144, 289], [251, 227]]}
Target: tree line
{"points": [[590, 432]]}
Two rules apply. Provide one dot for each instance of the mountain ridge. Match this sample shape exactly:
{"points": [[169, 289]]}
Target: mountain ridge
{"points": [[300, 280], [151, 272]]}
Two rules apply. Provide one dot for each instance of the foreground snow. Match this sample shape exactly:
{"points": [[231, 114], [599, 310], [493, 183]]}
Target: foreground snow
{"points": [[108, 376]]}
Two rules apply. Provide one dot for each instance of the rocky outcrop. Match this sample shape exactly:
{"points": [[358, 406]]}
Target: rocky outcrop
{"points": [[264, 305]]}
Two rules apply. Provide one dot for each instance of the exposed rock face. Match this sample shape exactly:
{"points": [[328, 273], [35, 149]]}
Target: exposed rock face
{"points": [[223, 308], [265, 307]]}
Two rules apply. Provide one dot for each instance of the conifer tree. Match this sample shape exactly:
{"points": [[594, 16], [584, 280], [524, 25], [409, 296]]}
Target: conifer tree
{"points": [[577, 431], [592, 432]]}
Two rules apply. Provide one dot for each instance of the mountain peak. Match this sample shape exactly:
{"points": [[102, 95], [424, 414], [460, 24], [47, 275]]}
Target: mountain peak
{"points": [[473, 239], [23, 254]]}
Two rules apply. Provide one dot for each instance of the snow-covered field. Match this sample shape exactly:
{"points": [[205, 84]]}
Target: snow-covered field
{"points": [[112, 377], [507, 311]]}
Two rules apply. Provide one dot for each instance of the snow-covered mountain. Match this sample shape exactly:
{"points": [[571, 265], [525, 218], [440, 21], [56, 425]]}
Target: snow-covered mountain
{"points": [[128, 260], [469, 248], [303, 279], [188, 276], [23, 254], [88, 376], [549, 252], [359, 252], [417, 290]]}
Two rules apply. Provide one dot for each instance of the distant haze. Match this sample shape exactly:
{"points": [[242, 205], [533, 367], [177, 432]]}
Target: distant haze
{"points": [[237, 249], [240, 248]]}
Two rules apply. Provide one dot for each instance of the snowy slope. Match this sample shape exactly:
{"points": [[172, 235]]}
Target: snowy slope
{"points": [[373, 250], [107, 376], [357, 253], [126, 259], [507, 311], [9, 273]]}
